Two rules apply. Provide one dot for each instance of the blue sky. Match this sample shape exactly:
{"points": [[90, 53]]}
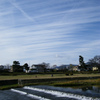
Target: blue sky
{"points": [[52, 31]]}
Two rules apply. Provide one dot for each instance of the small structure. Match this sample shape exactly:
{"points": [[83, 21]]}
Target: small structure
{"points": [[37, 68], [95, 68], [73, 68], [32, 69]]}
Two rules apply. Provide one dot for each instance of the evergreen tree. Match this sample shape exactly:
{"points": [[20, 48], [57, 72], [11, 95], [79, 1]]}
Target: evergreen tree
{"points": [[81, 62]]}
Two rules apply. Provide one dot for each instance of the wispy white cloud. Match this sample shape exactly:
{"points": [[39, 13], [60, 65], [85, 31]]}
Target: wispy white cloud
{"points": [[22, 11]]}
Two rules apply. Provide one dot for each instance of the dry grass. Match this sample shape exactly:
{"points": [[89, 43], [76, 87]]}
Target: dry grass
{"points": [[40, 76]]}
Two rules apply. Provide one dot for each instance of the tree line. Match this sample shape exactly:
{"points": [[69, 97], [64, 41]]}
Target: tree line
{"points": [[93, 62], [16, 67]]}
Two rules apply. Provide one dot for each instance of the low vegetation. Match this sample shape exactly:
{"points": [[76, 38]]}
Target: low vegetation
{"points": [[78, 83], [5, 87]]}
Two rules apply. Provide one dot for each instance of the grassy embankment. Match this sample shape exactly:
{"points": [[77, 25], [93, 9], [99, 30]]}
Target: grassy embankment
{"points": [[69, 83], [41, 76]]}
